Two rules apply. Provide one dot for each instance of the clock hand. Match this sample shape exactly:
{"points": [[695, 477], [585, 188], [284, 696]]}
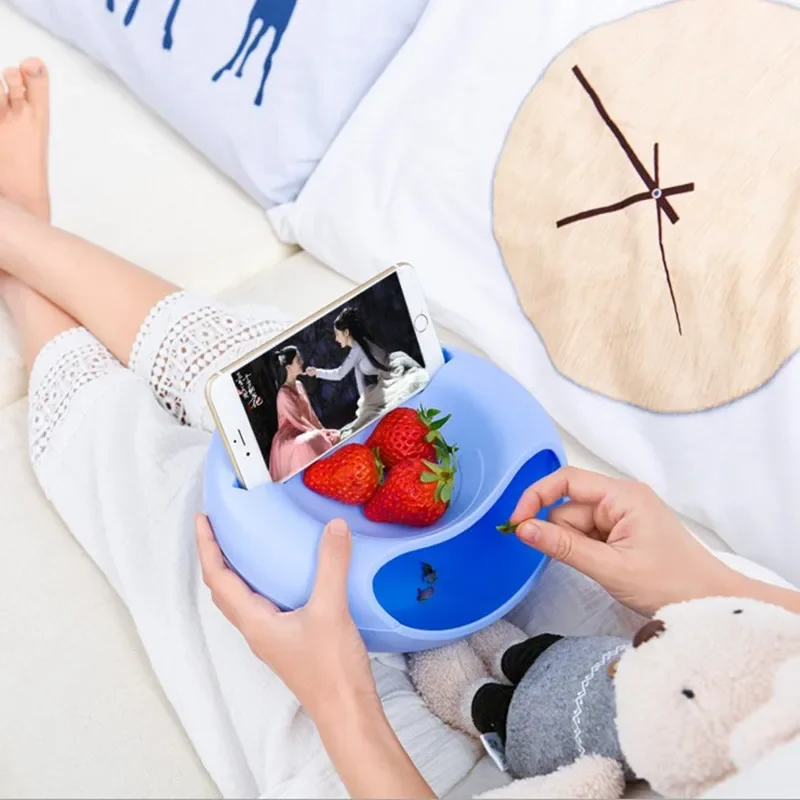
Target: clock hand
{"points": [[596, 212], [661, 247], [623, 143], [628, 201]]}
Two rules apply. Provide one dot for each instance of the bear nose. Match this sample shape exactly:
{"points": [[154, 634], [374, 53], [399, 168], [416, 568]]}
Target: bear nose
{"points": [[653, 628]]}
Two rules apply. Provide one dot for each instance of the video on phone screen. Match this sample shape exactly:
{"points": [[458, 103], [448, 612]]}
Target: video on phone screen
{"points": [[332, 378]]}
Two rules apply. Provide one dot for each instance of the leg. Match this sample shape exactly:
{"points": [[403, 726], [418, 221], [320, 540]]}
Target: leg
{"points": [[268, 67], [250, 50], [447, 679], [118, 302], [126, 479], [172, 340], [132, 8], [25, 137], [24, 124], [105, 293], [517, 660], [245, 39], [491, 643], [489, 708], [173, 12], [35, 319]]}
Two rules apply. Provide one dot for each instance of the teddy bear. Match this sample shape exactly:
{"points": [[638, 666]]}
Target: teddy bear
{"points": [[704, 690]]}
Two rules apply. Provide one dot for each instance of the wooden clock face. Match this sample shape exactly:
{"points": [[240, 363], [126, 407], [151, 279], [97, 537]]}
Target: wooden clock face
{"points": [[647, 203]]}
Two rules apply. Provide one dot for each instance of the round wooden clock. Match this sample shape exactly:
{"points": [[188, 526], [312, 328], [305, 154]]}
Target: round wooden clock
{"points": [[647, 203]]}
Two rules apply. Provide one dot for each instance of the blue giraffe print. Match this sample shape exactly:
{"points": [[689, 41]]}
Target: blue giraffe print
{"points": [[168, 25], [271, 14]]}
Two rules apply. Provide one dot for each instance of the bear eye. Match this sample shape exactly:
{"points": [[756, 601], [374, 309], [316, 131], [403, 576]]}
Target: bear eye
{"points": [[738, 611], [688, 693]]}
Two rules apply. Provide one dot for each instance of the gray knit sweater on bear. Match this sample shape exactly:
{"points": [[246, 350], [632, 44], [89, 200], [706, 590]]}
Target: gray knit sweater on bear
{"points": [[565, 708]]}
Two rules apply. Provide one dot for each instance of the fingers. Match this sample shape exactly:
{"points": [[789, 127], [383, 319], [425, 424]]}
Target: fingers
{"points": [[577, 484], [333, 565], [579, 516], [230, 593], [569, 546]]}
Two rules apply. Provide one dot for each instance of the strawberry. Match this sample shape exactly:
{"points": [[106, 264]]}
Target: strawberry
{"points": [[350, 475], [416, 492], [405, 433]]}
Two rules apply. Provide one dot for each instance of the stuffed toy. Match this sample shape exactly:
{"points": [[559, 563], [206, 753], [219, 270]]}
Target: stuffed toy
{"points": [[704, 690]]}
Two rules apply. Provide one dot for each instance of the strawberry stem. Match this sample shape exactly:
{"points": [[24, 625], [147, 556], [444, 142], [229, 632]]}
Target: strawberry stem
{"points": [[508, 527]]}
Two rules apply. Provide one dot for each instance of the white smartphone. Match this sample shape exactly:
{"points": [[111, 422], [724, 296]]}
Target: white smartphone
{"points": [[294, 399]]}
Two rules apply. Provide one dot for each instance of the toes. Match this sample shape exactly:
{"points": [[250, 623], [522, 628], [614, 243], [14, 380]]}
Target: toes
{"points": [[16, 89], [3, 102], [37, 82]]}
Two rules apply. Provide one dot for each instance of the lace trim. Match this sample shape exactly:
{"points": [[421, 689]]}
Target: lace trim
{"points": [[184, 339], [65, 365], [160, 308]]}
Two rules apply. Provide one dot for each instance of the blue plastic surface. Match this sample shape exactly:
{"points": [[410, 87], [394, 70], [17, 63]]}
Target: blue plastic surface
{"points": [[269, 535]]}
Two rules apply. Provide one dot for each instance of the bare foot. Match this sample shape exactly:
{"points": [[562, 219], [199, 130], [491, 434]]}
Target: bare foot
{"points": [[25, 137]]}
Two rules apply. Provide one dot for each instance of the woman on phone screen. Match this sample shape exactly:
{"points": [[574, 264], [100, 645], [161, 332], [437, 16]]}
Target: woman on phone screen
{"points": [[397, 375], [301, 437]]}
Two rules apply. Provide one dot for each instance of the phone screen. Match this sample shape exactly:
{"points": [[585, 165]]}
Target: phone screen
{"points": [[332, 378]]}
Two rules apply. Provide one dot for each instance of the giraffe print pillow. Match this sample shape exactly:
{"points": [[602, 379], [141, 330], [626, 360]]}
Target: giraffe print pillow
{"points": [[260, 86]]}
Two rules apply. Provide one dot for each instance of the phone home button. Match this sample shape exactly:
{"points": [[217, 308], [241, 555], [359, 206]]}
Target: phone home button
{"points": [[421, 323]]}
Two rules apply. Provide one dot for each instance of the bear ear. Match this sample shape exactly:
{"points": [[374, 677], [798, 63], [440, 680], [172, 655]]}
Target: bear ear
{"points": [[774, 723], [652, 629]]}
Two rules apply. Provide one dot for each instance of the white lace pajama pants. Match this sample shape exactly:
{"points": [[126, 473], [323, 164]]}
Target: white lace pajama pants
{"points": [[120, 454]]}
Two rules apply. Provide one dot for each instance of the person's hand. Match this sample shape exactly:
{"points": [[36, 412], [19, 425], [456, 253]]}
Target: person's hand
{"points": [[317, 650], [620, 534], [311, 372]]}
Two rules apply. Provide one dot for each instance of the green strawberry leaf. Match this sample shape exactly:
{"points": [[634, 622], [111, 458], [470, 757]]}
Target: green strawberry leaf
{"points": [[437, 495], [433, 412], [376, 454], [447, 492], [434, 468], [443, 449], [440, 423], [428, 477]]}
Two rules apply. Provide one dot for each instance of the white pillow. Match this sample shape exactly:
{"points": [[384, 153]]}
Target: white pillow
{"points": [[177, 55], [414, 176]]}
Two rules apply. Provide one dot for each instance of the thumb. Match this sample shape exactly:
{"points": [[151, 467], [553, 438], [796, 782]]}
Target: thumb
{"points": [[567, 545], [333, 565]]}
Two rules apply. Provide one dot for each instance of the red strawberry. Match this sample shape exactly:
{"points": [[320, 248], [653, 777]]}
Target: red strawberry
{"points": [[405, 433], [416, 492], [351, 475]]}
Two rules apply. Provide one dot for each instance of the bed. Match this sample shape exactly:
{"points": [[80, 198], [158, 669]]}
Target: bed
{"points": [[82, 713]]}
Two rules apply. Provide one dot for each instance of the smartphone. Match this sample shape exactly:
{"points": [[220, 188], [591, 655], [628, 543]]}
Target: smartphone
{"points": [[296, 398]]}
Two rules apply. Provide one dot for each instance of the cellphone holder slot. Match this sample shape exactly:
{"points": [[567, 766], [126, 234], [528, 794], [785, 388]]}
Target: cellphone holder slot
{"points": [[409, 588]]}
